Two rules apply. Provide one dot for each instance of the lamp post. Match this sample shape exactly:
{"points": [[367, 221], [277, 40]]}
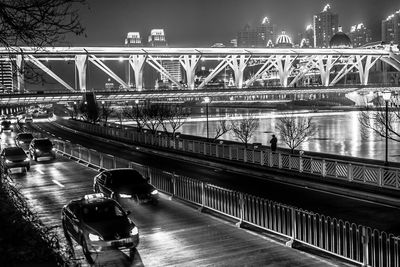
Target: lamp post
{"points": [[137, 114], [207, 100], [386, 95]]}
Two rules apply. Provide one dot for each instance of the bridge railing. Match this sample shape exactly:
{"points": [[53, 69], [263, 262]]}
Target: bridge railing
{"points": [[324, 168], [356, 243]]}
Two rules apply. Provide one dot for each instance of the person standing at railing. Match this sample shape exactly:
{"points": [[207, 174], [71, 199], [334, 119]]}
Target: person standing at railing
{"points": [[273, 143]]}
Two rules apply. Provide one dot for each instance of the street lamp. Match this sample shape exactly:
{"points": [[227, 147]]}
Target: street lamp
{"points": [[386, 95], [137, 114], [207, 100]]}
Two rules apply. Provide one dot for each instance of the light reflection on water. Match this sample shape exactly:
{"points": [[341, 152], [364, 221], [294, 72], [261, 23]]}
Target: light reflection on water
{"points": [[338, 133]]}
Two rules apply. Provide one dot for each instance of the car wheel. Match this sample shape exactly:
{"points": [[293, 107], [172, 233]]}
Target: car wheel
{"points": [[34, 157], [132, 253], [66, 234], [28, 167], [86, 251]]}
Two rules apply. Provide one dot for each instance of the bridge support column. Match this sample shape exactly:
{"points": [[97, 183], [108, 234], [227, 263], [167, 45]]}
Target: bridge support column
{"points": [[20, 62], [81, 66], [158, 66], [325, 69], [269, 63], [217, 70], [363, 69], [283, 64], [189, 63], [238, 64], [137, 63]]}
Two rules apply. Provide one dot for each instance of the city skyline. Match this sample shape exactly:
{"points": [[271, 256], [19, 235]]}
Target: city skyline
{"points": [[186, 24]]}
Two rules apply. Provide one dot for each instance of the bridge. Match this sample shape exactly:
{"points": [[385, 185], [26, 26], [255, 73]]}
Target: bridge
{"points": [[287, 65]]}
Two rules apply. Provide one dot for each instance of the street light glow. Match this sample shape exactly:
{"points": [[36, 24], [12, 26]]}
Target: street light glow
{"points": [[386, 95]]}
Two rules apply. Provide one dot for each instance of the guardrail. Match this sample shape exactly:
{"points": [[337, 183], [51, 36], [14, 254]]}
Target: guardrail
{"points": [[325, 168], [356, 243]]}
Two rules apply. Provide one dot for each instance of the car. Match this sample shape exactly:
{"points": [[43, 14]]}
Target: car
{"points": [[6, 126], [23, 140], [125, 183], [98, 223], [14, 157], [42, 148], [28, 119]]}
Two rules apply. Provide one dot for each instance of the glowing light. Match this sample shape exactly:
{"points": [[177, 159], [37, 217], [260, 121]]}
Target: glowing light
{"points": [[326, 8], [120, 59], [265, 20], [309, 27], [157, 32]]}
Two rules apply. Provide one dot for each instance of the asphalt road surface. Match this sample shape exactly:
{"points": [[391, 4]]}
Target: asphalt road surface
{"points": [[357, 211]]}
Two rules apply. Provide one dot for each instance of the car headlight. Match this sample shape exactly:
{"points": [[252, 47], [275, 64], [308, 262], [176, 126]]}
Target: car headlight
{"points": [[125, 196], [21, 142], [134, 231], [53, 149], [154, 192], [37, 150], [8, 161], [11, 126], [27, 159], [94, 237]]}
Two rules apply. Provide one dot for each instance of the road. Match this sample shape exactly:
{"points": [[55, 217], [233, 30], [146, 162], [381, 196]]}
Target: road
{"points": [[171, 234], [354, 210]]}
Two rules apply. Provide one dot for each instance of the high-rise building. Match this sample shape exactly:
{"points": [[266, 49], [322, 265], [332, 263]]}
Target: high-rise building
{"points": [[258, 37], [326, 24], [307, 37], [133, 39], [247, 37], [391, 28], [360, 35], [264, 32], [157, 38], [6, 76]]}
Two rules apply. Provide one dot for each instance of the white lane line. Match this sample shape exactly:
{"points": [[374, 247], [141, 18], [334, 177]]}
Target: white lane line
{"points": [[39, 171], [58, 183]]}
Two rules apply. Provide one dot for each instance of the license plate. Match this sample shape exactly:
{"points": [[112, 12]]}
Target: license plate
{"points": [[17, 169], [45, 158]]}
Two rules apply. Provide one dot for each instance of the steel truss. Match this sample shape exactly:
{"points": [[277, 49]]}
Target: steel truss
{"points": [[291, 65]]}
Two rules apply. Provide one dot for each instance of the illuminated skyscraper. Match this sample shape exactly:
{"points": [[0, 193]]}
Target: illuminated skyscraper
{"points": [[6, 76], [157, 38], [391, 28], [326, 24], [258, 37], [133, 39], [360, 35], [264, 32], [307, 37]]}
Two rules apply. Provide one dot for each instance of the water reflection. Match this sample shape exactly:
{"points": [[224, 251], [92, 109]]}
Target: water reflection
{"points": [[338, 133]]}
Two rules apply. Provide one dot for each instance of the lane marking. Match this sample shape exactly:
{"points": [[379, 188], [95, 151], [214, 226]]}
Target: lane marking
{"points": [[58, 183]]}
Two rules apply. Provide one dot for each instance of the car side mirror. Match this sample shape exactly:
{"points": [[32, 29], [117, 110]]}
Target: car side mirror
{"points": [[128, 212]]}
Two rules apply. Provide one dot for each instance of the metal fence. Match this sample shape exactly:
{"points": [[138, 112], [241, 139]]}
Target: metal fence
{"points": [[356, 243], [354, 172]]}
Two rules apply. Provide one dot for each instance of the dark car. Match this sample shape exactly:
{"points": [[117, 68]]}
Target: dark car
{"points": [[23, 140], [125, 184], [6, 126], [42, 148], [98, 223], [14, 158]]}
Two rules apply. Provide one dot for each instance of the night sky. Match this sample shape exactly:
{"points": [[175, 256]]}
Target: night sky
{"points": [[204, 22]]}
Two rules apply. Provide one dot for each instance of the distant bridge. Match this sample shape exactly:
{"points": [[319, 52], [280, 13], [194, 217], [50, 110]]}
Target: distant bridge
{"points": [[265, 94], [288, 64]]}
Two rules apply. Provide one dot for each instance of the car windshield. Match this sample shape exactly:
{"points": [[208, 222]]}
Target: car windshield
{"points": [[5, 123], [14, 151], [126, 177], [101, 211], [43, 143], [25, 136]]}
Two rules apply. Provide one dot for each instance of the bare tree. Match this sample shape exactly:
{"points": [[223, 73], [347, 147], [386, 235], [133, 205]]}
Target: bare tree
{"points": [[120, 114], [222, 128], [38, 23], [294, 131], [175, 116], [244, 129], [106, 111], [374, 119], [135, 113], [152, 113], [73, 111]]}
